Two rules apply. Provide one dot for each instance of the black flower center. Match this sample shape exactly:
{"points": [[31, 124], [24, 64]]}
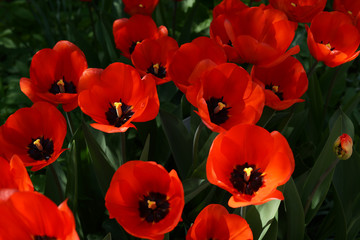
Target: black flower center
{"points": [[246, 178], [275, 89], [230, 43], [328, 45], [133, 45], [44, 238], [157, 70], [218, 110], [62, 86], [154, 207], [119, 113], [41, 148]]}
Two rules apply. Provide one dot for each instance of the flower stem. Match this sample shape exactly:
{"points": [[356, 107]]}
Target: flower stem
{"points": [[312, 69], [243, 212], [331, 88], [321, 180], [174, 19], [57, 182], [68, 119], [196, 144], [123, 147]]}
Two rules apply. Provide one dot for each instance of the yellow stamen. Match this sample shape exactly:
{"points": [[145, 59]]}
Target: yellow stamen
{"points": [[151, 204], [140, 5], [38, 144], [293, 4], [219, 107], [156, 68], [328, 45], [61, 85], [247, 173], [350, 12], [117, 106], [275, 89]]}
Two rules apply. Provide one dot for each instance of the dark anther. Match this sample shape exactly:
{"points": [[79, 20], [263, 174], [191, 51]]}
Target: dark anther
{"points": [[246, 183], [218, 115], [154, 207], [230, 43], [68, 87], [41, 148], [157, 70], [277, 92], [132, 47], [114, 119]]}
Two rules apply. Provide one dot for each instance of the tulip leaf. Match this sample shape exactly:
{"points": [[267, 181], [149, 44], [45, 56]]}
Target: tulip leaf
{"points": [[294, 212], [55, 183], [341, 125], [145, 152], [107, 237], [260, 217], [193, 186], [102, 168], [179, 140]]}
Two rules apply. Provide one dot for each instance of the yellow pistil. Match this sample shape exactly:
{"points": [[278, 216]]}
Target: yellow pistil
{"points": [[350, 12], [247, 173], [275, 89], [219, 107], [293, 4], [61, 85], [328, 45], [140, 5], [156, 68], [151, 204], [117, 106], [38, 144]]}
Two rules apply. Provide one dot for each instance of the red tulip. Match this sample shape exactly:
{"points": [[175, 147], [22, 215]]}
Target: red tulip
{"points": [[261, 36], [227, 97], [350, 7], [250, 163], [214, 222], [35, 134], [117, 96], [228, 7], [31, 215], [14, 175], [145, 199], [129, 32], [333, 39], [144, 7], [299, 10], [152, 56], [283, 84], [54, 75]]}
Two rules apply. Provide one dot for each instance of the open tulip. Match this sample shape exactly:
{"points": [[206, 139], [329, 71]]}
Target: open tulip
{"points": [[228, 7], [32, 216], [152, 56], [333, 39], [35, 134], [299, 10], [227, 97], [215, 222], [144, 7], [128, 32], [145, 199], [250, 163], [117, 97], [350, 7], [283, 84], [55, 74], [261, 36]]}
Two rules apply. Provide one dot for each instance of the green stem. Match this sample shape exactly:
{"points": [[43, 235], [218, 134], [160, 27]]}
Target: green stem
{"points": [[68, 119], [331, 88], [91, 19], [123, 147], [312, 69], [196, 144], [321, 180], [174, 19], [243, 212], [57, 182]]}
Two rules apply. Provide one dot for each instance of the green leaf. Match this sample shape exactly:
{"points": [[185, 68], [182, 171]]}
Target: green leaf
{"points": [[107, 237], [55, 183], [341, 125], [145, 152], [194, 186], [260, 217], [295, 219], [102, 168], [179, 140]]}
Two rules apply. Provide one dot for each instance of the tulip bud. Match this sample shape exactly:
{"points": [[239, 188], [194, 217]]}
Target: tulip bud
{"points": [[343, 147]]}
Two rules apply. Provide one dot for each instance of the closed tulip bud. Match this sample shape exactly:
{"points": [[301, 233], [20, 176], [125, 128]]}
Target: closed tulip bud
{"points": [[343, 147]]}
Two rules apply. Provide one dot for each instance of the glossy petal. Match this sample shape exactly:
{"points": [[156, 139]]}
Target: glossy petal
{"points": [[144, 7]]}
